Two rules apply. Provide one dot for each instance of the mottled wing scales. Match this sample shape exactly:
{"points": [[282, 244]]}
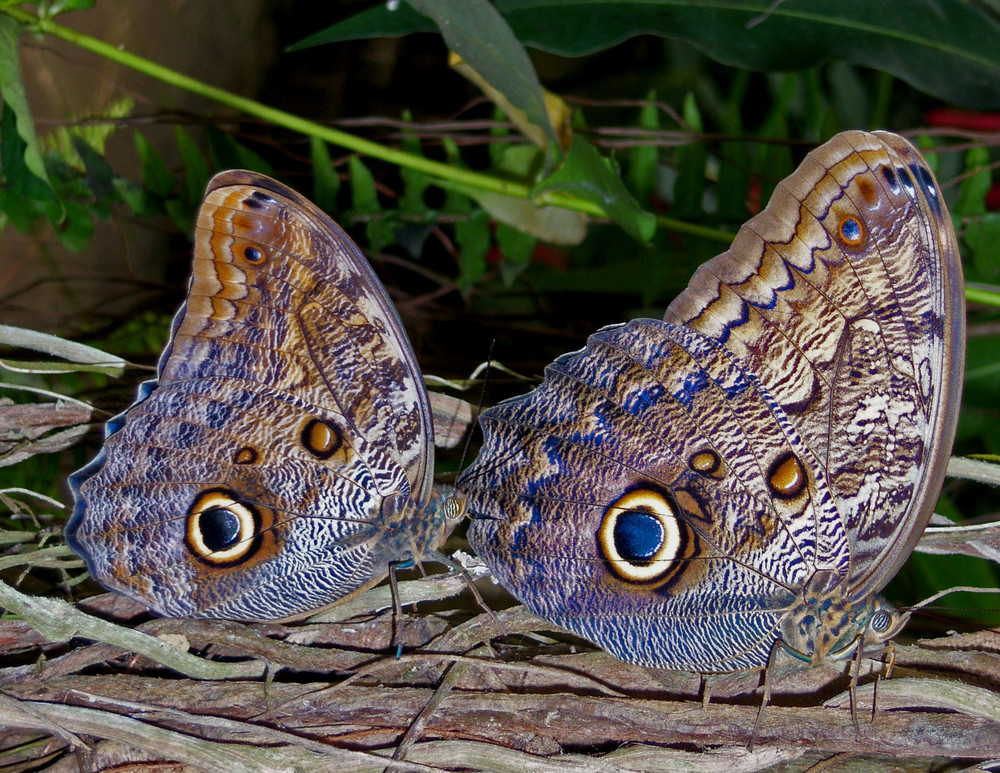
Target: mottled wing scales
{"points": [[676, 489], [852, 344], [283, 458], [304, 302], [631, 411]]}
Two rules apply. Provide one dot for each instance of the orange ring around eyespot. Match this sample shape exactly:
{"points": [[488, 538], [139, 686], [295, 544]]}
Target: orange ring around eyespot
{"points": [[851, 231]]}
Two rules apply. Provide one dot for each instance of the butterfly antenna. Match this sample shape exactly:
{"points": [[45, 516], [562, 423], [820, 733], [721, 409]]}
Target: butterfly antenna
{"points": [[479, 405]]}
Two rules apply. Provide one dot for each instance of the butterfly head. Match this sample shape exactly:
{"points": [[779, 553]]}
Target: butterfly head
{"points": [[831, 628]]}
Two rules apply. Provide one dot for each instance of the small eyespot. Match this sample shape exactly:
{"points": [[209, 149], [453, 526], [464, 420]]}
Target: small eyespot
{"points": [[705, 462], [891, 180], [262, 198], [928, 181], [253, 255], [221, 530], [787, 479], [906, 181], [641, 537], [851, 230], [246, 455], [321, 438]]}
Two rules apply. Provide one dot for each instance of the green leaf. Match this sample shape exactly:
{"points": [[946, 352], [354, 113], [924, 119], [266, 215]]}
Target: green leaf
{"points": [[773, 161], [15, 98], [100, 178], [326, 183], [475, 31], [947, 48], [378, 226], [377, 22], [52, 8], [972, 192], [24, 197], [415, 183], [227, 153], [364, 199], [195, 166], [982, 235], [584, 173], [643, 159], [55, 346], [515, 245], [155, 174], [77, 226], [734, 156], [473, 237], [689, 188]]}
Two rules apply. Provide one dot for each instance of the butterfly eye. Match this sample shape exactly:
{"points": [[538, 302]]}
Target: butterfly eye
{"points": [[221, 530], [641, 537], [881, 621]]}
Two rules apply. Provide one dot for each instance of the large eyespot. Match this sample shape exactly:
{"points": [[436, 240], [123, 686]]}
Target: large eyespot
{"points": [[642, 538], [222, 530]]}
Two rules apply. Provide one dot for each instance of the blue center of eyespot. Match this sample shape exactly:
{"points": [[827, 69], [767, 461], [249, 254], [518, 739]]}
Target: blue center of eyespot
{"points": [[638, 536], [220, 528], [850, 229]]}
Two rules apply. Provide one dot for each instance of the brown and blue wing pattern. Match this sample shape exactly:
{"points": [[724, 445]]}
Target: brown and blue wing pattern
{"points": [[284, 455], [752, 469]]}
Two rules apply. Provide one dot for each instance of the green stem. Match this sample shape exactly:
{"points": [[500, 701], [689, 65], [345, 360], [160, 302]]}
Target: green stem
{"points": [[295, 123], [982, 295]]}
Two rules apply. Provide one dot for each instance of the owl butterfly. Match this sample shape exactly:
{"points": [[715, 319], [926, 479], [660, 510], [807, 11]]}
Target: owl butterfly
{"points": [[283, 458], [747, 474]]}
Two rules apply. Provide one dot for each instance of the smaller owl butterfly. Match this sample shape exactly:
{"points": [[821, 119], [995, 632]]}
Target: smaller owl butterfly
{"points": [[748, 473], [283, 458]]}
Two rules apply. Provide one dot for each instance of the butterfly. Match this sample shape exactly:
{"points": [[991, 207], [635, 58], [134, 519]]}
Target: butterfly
{"points": [[283, 457], [744, 476]]}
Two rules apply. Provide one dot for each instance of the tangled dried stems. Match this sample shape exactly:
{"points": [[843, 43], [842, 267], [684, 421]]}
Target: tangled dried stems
{"points": [[328, 694]]}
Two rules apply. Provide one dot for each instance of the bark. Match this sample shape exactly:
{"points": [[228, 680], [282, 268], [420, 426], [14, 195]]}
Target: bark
{"points": [[331, 695]]}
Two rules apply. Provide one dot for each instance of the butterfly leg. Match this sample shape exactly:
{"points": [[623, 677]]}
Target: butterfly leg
{"points": [[886, 673], [766, 694], [480, 601], [397, 607], [853, 687]]}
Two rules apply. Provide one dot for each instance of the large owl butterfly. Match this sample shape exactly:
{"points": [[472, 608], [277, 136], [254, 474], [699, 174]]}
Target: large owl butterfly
{"points": [[283, 458], [750, 472]]}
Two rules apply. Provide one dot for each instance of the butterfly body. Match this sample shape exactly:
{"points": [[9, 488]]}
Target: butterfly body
{"points": [[750, 471], [283, 457]]}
